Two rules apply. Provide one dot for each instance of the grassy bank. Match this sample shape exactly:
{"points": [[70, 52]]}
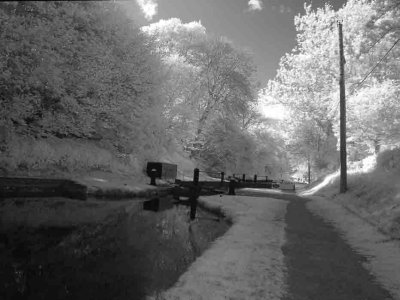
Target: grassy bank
{"points": [[79, 158], [373, 191], [53, 156]]}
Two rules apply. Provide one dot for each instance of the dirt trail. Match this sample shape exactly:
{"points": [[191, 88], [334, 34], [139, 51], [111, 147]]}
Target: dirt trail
{"points": [[320, 264]]}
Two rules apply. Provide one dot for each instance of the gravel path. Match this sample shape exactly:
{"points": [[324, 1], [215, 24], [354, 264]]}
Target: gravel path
{"points": [[319, 263]]}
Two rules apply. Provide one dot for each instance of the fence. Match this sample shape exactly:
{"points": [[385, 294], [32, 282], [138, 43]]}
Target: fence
{"points": [[214, 183]]}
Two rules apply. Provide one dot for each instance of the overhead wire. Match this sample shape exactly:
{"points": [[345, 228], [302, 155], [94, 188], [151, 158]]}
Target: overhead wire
{"points": [[380, 38], [372, 46], [366, 76], [358, 84], [375, 66], [387, 31], [376, 42]]}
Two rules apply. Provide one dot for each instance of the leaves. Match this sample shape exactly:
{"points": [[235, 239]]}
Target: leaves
{"points": [[307, 80], [72, 56], [211, 99]]}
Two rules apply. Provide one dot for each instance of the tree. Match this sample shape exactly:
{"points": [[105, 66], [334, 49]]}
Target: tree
{"points": [[233, 150], [374, 116], [225, 75], [80, 70], [173, 37], [208, 78], [307, 81]]}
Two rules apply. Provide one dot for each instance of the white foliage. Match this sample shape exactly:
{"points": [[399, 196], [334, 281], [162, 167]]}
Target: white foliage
{"points": [[255, 5], [149, 8]]}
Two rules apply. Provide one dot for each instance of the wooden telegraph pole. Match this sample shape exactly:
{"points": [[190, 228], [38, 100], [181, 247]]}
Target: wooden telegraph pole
{"points": [[343, 153]]}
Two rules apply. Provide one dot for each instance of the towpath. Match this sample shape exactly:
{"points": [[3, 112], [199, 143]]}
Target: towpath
{"points": [[278, 248]]}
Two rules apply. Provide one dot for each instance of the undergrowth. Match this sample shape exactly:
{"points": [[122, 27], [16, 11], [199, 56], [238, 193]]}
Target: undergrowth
{"points": [[373, 193], [28, 156]]}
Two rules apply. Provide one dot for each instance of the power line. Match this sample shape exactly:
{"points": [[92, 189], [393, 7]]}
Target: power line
{"points": [[380, 38], [387, 31], [356, 85], [376, 65]]}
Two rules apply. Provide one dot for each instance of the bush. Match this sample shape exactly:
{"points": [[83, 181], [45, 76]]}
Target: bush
{"points": [[389, 160], [76, 71], [373, 191], [53, 155]]}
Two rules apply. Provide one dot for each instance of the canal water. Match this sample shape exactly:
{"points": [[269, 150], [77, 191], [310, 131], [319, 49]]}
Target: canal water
{"points": [[128, 255]]}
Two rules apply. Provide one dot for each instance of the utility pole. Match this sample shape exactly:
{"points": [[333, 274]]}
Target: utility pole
{"points": [[343, 152]]}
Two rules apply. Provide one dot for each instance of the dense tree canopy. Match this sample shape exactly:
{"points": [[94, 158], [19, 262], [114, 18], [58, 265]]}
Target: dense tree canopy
{"points": [[211, 73], [78, 69], [307, 80], [211, 97], [83, 71]]}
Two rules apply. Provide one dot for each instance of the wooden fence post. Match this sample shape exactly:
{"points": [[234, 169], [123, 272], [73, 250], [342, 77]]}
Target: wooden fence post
{"points": [[195, 194], [231, 187], [196, 174]]}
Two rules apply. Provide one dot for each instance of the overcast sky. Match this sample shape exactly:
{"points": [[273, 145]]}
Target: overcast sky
{"points": [[265, 27]]}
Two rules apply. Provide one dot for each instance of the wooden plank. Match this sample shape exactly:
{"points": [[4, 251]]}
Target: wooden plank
{"points": [[216, 185]]}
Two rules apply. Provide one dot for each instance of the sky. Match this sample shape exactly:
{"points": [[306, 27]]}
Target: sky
{"points": [[263, 27]]}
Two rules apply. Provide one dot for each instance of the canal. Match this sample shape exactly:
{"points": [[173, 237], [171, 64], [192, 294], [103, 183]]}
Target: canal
{"points": [[108, 251]]}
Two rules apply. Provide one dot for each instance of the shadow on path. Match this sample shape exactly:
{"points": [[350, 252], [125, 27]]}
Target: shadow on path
{"points": [[320, 264]]}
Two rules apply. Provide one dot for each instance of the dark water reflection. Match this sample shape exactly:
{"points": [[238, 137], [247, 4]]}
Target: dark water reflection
{"points": [[128, 256]]}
